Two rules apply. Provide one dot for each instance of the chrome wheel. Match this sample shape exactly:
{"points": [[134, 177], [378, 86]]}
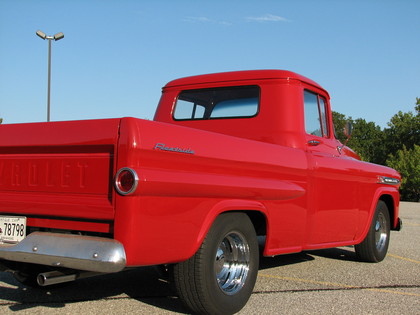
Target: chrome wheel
{"points": [[232, 263], [375, 245], [381, 232], [221, 275]]}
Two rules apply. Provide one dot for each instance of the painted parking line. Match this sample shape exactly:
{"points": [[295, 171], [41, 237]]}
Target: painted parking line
{"points": [[411, 224], [338, 285], [404, 258]]}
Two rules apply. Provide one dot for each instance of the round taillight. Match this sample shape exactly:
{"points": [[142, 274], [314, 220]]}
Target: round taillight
{"points": [[126, 181]]}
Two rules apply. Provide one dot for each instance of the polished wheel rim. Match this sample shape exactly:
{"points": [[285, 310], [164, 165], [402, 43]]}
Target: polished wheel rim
{"points": [[381, 233], [232, 263]]}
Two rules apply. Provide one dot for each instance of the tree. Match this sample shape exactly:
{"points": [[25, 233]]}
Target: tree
{"points": [[402, 141], [366, 139], [339, 121], [404, 128], [407, 162]]}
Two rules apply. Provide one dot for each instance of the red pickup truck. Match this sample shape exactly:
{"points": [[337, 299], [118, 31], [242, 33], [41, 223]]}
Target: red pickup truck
{"points": [[231, 160]]}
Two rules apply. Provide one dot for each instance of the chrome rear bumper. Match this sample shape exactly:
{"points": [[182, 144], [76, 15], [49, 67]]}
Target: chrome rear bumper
{"points": [[78, 252]]}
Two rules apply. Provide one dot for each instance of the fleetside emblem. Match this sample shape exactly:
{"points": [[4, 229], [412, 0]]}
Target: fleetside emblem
{"points": [[163, 147], [388, 180]]}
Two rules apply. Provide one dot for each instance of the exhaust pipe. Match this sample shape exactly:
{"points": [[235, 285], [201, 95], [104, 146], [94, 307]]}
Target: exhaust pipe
{"points": [[56, 277]]}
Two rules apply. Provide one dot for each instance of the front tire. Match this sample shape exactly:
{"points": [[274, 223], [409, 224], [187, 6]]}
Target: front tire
{"points": [[220, 277], [375, 246]]}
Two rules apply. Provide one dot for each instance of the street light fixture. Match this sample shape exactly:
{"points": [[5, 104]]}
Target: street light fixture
{"points": [[56, 37]]}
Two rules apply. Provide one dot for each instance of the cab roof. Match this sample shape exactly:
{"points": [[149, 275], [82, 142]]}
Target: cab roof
{"points": [[240, 76]]}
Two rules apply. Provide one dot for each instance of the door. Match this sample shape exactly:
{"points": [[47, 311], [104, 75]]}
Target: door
{"points": [[333, 189]]}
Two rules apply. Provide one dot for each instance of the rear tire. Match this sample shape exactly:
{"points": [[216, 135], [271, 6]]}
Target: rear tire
{"points": [[220, 277], [375, 245]]}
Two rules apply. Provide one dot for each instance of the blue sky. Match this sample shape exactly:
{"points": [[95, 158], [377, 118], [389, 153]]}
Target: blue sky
{"points": [[116, 55]]}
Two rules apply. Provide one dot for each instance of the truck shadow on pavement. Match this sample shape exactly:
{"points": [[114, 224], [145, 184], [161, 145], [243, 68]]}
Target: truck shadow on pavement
{"points": [[142, 284], [145, 285], [342, 253], [339, 253]]}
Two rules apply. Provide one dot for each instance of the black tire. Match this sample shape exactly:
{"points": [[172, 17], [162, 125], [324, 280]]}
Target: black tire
{"points": [[217, 279], [375, 245]]}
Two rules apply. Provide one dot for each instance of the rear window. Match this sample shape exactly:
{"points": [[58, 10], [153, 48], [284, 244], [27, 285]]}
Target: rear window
{"points": [[216, 103]]}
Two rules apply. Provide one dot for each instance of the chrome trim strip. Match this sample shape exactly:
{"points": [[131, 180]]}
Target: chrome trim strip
{"points": [[79, 252], [388, 180]]}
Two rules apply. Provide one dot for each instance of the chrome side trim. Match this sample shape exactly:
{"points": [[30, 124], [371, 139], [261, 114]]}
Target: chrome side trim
{"points": [[78, 252], [388, 180]]}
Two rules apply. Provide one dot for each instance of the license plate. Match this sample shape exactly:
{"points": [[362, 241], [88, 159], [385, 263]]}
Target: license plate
{"points": [[12, 229]]}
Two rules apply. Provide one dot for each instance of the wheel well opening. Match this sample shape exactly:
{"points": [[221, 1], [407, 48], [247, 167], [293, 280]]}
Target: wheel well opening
{"points": [[259, 221], [390, 204]]}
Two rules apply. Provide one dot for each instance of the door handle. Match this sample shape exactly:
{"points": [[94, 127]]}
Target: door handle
{"points": [[314, 143]]}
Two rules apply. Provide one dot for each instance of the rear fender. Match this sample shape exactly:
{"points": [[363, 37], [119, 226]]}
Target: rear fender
{"points": [[222, 207]]}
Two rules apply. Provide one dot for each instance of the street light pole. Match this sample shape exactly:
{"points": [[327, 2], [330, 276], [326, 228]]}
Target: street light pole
{"points": [[56, 37], [49, 81]]}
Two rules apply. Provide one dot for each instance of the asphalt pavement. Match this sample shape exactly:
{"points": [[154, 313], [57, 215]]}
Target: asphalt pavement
{"points": [[327, 281]]}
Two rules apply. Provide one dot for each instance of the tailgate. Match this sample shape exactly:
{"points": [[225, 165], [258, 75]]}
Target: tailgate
{"points": [[59, 169]]}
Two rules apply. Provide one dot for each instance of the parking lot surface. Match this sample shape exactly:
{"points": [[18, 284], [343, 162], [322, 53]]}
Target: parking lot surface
{"points": [[327, 281]]}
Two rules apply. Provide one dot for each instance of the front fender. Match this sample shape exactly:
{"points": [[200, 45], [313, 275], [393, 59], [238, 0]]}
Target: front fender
{"points": [[391, 196]]}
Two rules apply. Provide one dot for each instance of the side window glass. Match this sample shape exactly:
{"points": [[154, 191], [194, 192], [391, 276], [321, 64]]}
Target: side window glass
{"points": [[323, 113], [312, 123], [315, 115]]}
